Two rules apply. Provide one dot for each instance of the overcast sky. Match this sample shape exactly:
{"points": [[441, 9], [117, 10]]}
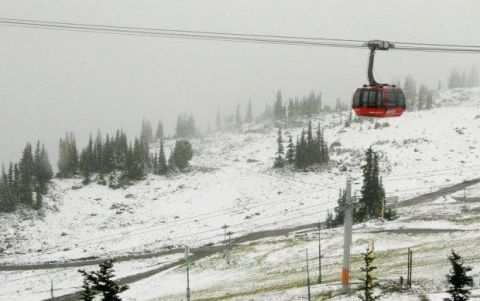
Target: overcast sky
{"points": [[57, 81]]}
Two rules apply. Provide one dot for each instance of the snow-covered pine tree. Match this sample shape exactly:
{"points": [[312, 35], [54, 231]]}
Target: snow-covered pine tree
{"points": [[249, 113], [87, 293], [278, 108], [218, 121], [102, 281], [290, 155], [98, 164], [301, 146], [172, 166], [372, 198], [162, 162], [460, 282], [26, 179], [238, 119], [279, 161], [159, 133], [368, 279], [146, 133]]}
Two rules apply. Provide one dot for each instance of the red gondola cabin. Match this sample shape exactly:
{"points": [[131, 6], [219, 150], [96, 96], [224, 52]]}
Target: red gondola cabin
{"points": [[379, 101]]}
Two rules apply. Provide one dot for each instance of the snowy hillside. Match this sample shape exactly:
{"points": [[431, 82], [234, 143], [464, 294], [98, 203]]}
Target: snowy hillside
{"points": [[232, 184]]}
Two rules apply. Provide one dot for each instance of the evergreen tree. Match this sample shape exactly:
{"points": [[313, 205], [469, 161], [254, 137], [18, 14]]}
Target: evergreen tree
{"points": [[68, 156], [429, 100], [159, 133], [218, 122], [278, 108], [249, 114], [238, 119], [98, 164], [290, 156], [422, 96], [458, 279], [26, 180], [87, 293], [369, 279], [7, 199], [410, 90], [162, 162], [85, 166], [102, 281], [146, 133], [42, 170], [279, 161], [182, 153], [172, 166], [301, 146], [185, 126], [454, 80], [373, 195], [473, 77]]}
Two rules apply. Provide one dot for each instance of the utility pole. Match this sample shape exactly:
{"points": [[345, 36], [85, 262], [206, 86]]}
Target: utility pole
{"points": [[319, 256], [347, 240], [187, 260], [225, 227], [308, 278], [51, 289], [409, 267]]}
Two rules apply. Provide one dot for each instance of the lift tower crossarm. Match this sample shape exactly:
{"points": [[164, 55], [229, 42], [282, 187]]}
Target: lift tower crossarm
{"points": [[375, 45]]}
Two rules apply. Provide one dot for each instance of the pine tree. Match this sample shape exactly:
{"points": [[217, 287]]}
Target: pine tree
{"points": [[279, 161], [87, 293], [218, 122], [98, 164], [162, 162], [146, 133], [290, 156], [458, 279], [7, 200], [301, 146], [238, 119], [102, 281], [369, 279], [410, 89], [26, 180], [372, 189], [249, 114], [68, 156], [278, 108], [159, 133], [172, 166]]}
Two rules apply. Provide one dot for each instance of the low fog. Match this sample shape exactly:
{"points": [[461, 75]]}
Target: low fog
{"points": [[57, 81]]}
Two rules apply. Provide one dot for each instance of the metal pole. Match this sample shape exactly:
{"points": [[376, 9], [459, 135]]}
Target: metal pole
{"points": [[347, 241], [187, 260], [308, 278], [51, 289], [319, 256]]}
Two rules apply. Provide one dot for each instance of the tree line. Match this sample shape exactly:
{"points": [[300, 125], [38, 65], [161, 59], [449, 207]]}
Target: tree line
{"points": [[235, 120], [26, 182], [308, 150], [307, 106], [464, 79], [115, 154]]}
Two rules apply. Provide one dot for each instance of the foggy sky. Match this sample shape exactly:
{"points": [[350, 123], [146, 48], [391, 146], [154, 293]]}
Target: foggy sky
{"points": [[57, 81]]}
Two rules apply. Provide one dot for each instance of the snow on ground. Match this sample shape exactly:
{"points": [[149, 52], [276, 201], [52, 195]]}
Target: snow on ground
{"points": [[275, 268], [232, 183]]}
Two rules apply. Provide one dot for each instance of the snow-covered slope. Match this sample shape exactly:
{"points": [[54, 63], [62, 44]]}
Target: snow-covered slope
{"points": [[232, 183]]}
